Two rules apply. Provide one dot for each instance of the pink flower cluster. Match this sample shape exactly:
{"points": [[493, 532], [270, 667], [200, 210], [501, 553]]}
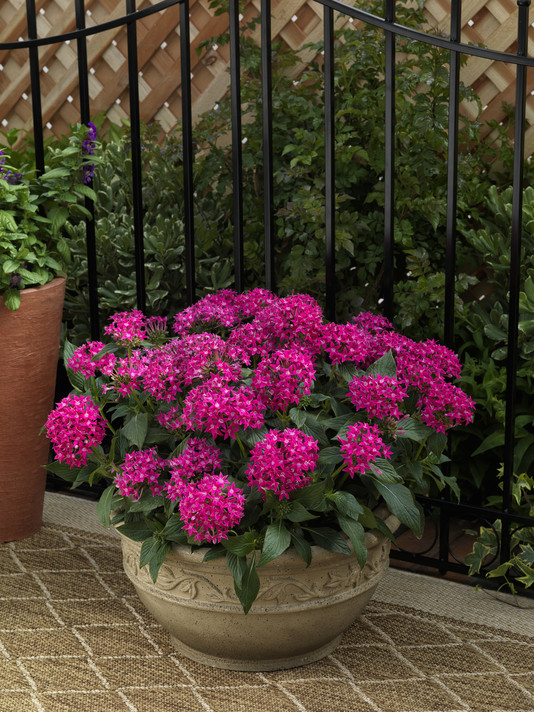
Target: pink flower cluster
{"points": [[445, 406], [379, 396], [210, 508], [83, 360], [127, 327], [349, 342], [139, 468], [220, 409], [283, 461], [74, 428], [362, 446], [284, 377], [199, 457]]}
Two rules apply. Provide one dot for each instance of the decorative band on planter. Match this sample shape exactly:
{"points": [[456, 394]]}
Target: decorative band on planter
{"points": [[298, 617], [29, 348]]}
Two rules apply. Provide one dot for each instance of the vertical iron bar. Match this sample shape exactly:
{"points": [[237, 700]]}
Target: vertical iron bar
{"points": [[450, 247], [187, 140], [267, 105], [515, 273], [389, 162], [330, 175], [135, 135], [85, 115], [35, 88], [237, 162], [452, 175]]}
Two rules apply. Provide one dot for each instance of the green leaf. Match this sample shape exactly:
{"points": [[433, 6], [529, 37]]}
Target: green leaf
{"points": [[240, 545], [401, 503], [493, 440], [311, 497], [384, 471], [297, 416], [12, 298], [136, 429], [237, 566], [298, 513], [249, 586], [346, 504], [302, 547], [384, 366], [356, 534], [137, 531], [277, 539], [215, 552], [331, 540], [105, 505], [411, 429]]}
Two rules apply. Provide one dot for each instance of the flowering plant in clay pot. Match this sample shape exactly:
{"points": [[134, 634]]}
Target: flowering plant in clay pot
{"points": [[34, 207], [249, 425]]}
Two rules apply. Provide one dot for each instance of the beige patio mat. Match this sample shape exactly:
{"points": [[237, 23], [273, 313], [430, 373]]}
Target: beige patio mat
{"points": [[75, 638]]}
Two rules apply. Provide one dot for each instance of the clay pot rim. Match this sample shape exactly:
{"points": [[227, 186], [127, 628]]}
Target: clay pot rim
{"points": [[39, 288]]}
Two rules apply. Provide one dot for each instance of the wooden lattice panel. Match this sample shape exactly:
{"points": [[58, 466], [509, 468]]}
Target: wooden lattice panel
{"points": [[296, 22]]}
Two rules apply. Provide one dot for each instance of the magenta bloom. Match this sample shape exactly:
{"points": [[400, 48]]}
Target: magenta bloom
{"points": [[161, 378], [283, 378], [379, 396], [219, 409], [74, 428], [139, 468], [213, 310], [126, 375], [444, 406], [210, 508], [82, 359], [350, 342], [296, 319], [372, 322], [199, 457], [282, 462], [362, 446], [127, 327]]}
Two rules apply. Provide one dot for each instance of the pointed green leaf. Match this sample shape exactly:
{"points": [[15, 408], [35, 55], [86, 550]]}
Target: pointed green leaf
{"points": [[136, 429], [277, 539], [249, 587], [356, 534], [401, 503], [105, 505]]}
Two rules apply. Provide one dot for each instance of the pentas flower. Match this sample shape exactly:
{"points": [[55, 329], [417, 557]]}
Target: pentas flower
{"points": [[210, 508], [156, 329], [444, 405], [252, 302], [127, 374], [199, 457], [361, 447], [161, 378], [213, 310], [291, 320], [249, 340], [142, 467], [349, 342], [74, 428], [196, 356], [283, 461], [419, 364], [376, 323], [218, 408], [127, 328], [379, 396], [83, 360], [283, 378]]}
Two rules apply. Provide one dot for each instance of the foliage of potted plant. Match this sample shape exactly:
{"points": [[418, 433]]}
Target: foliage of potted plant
{"points": [[263, 444], [33, 256]]}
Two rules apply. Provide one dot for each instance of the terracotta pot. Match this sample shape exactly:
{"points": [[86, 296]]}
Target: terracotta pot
{"points": [[299, 616], [29, 348]]}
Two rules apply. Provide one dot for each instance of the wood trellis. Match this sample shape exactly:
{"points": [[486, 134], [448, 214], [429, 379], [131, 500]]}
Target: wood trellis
{"points": [[489, 22]]}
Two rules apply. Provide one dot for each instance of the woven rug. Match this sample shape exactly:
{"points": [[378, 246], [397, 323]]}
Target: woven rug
{"points": [[75, 638]]}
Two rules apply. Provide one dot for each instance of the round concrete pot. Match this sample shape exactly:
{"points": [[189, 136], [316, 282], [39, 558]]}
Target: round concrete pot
{"points": [[299, 616], [29, 349]]}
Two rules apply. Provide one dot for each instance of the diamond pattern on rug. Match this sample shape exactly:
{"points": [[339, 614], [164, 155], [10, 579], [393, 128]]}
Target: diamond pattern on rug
{"points": [[74, 636]]}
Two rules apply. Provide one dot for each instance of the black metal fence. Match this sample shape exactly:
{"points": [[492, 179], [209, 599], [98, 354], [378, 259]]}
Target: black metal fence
{"points": [[447, 510]]}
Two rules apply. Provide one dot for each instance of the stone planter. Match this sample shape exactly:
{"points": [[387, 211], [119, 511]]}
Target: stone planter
{"points": [[29, 348], [299, 616]]}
